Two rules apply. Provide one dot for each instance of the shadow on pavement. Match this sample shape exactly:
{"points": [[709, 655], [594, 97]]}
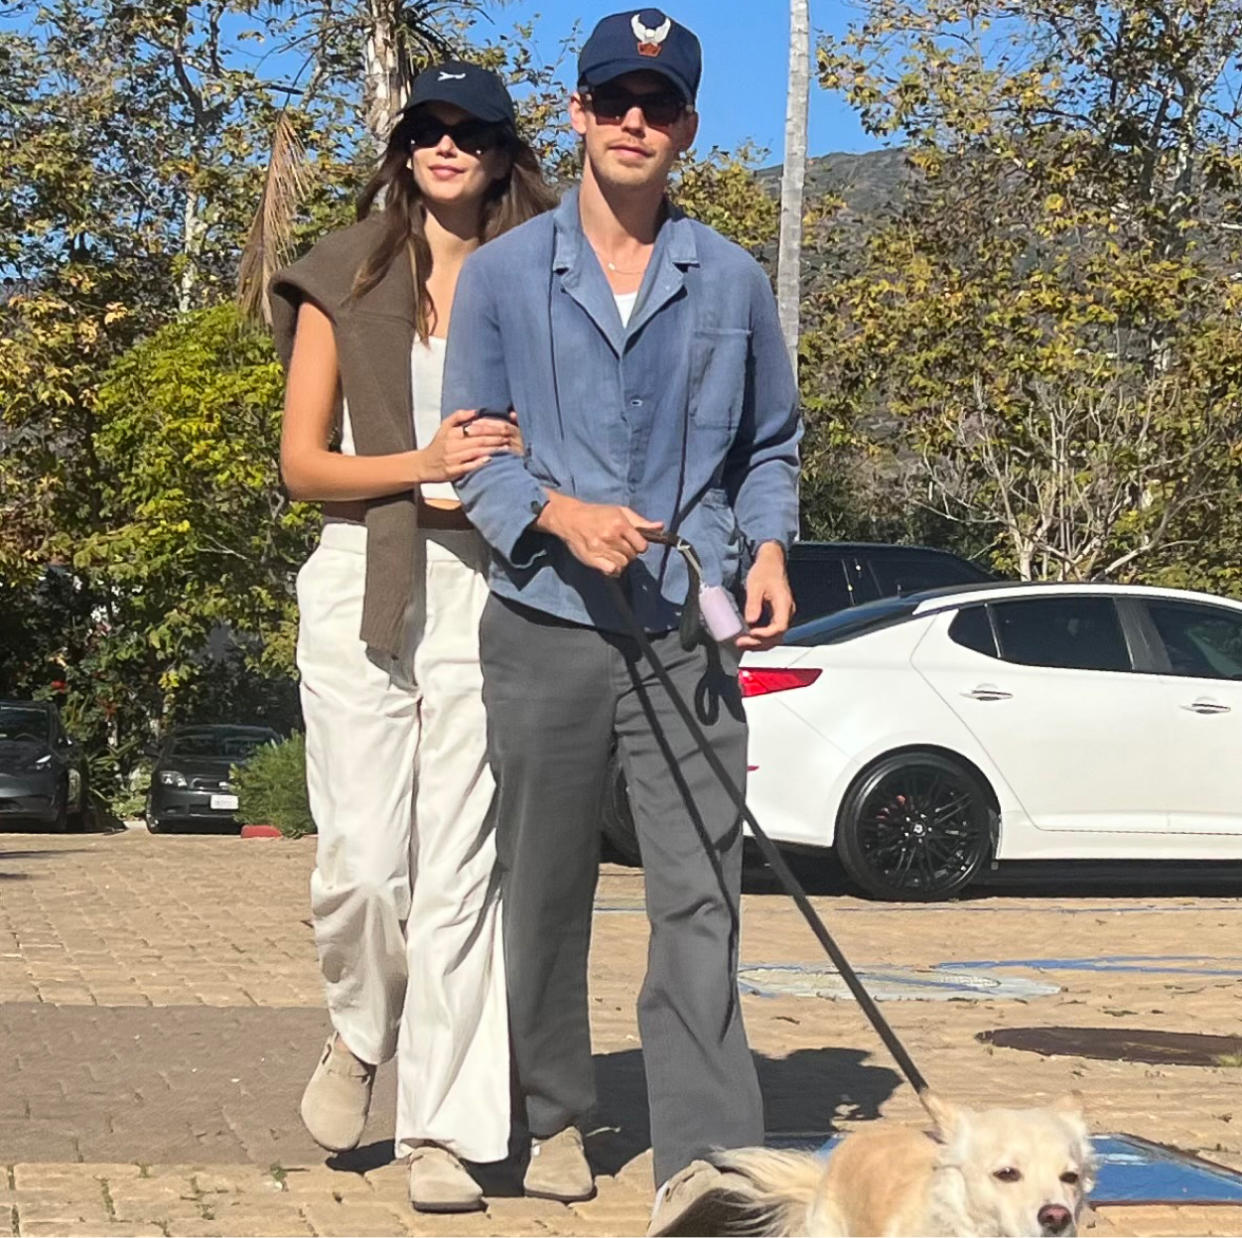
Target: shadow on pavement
{"points": [[801, 1092], [820, 874], [10, 858]]}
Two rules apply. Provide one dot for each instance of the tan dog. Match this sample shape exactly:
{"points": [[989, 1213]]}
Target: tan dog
{"points": [[1008, 1173]]}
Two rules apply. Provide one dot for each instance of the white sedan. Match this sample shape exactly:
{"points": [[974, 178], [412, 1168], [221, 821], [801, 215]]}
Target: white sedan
{"points": [[923, 737]]}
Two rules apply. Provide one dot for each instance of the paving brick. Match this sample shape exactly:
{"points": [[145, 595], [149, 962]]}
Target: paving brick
{"points": [[333, 1220], [69, 1205], [58, 1229], [152, 1051], [315, 1181]]}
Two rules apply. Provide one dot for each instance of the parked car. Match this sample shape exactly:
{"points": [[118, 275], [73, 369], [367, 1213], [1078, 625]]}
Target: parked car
{"points": [[43, 773], [825, 577], [924, 738], [190, 781], [829, 576]]}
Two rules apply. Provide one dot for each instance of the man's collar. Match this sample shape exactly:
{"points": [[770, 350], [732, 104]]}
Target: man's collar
{"points": [[676, 233]]}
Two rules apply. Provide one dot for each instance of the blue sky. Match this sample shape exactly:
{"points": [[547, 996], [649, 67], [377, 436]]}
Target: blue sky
{"points": [[745, 64]]}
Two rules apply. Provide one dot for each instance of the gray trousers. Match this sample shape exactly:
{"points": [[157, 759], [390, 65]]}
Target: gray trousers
{"points": [[556, 695]]}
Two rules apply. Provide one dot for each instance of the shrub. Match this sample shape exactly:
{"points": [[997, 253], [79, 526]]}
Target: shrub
{"points": [[271, 788]]}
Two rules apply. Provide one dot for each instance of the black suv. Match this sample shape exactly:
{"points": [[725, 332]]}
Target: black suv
{"points": [[42, 771], [825, 577], [831, 576], [190, 782]]}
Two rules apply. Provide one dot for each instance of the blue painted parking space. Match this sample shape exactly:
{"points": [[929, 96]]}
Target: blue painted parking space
{"points": [[1149, 964], [1132, 1170]]}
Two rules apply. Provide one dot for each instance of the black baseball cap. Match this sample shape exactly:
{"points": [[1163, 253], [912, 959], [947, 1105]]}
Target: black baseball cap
{"points": [[473, 89], [642, 39]]}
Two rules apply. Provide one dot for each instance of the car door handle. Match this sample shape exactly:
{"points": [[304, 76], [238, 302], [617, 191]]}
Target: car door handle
{"points": [[988, 692], [1205, 705]]}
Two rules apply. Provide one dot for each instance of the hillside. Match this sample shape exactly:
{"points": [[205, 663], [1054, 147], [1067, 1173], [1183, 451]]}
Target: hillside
{"points": [[867, 182]]}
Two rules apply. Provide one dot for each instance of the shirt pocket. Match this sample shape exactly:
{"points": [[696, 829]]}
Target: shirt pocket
{"points": [[718, 358]]}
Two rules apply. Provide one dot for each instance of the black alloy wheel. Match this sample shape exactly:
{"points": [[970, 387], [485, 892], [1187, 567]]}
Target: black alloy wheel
{"points": [[916, 826]]}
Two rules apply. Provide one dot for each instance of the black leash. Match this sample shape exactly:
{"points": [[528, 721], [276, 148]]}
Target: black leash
{"points": [[773, 857]]}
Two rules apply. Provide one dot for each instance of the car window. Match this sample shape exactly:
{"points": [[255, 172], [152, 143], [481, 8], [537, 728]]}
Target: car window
{"points": [[234, 745], [1081, 633], [972, 629], [819, 586], [27, 725], [900, 574], [1202, 641]]}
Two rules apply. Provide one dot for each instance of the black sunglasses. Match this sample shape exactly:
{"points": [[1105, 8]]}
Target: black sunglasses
{"points": [[472, 135], [613, 103]]}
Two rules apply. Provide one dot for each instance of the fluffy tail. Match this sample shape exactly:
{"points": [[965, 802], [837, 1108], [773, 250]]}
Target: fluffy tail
{"points": [[784, 1190]]}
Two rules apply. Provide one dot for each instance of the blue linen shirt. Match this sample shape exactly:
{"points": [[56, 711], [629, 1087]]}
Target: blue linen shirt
{"points": [[687, 414]]}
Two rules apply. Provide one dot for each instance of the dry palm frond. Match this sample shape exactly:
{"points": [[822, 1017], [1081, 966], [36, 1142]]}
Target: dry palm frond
{"points": [[269, 241]]}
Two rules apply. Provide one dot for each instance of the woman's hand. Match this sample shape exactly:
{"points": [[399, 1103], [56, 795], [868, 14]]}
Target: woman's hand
{"points": [[465, 441], [517, 444]]}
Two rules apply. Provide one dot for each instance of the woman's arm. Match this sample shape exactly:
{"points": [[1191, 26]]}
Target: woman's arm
{"points": [[313, 473]]}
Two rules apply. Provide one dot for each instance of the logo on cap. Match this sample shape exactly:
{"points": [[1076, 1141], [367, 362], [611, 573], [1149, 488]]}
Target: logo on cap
{"points": [[650, 38], [451, 77]]}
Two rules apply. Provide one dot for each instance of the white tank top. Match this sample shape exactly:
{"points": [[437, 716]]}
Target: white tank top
{"points": [[625, 305], [426, 379]]}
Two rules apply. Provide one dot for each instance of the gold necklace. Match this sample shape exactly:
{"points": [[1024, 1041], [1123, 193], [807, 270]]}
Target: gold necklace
{"points": [[612, 266]]}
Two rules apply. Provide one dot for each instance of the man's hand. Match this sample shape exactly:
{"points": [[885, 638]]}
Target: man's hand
{"points": [[767, 583], [603, 536]]}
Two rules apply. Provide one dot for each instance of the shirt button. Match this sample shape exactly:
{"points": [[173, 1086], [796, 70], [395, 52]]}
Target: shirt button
{"points": [[636, 403]]}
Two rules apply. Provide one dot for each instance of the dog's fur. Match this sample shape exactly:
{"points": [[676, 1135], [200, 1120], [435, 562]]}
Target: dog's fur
{"points": [[1000, 1172]]}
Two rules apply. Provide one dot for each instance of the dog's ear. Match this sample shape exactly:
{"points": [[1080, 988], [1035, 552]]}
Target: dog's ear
{"points": [[1071, 1105], [947, 1116]]}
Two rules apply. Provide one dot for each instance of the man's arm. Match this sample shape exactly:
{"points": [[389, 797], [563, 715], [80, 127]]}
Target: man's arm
{"points": [[761, 471], [501, 498]]}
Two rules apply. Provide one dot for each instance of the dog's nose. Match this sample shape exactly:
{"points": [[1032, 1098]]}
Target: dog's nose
{"points": [[1055, 1219]]}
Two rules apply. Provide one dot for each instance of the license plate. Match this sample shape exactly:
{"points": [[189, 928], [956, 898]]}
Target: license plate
{"points": [[226, 802]]}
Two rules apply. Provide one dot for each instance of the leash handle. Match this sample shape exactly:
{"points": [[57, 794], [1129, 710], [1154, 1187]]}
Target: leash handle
{"points": [[773, 857]]}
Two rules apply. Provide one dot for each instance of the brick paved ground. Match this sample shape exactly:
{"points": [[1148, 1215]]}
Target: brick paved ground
{"points": [[160, 1009]]}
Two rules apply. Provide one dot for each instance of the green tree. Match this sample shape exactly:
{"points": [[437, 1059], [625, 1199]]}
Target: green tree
{"points": [[198, 533], [1039, 344]]}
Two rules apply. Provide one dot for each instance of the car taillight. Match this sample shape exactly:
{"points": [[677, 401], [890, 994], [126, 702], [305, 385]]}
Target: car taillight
{"points": [[759, 681]]}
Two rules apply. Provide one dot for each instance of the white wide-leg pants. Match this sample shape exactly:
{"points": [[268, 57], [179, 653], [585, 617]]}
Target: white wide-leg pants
{"points": [[404, 894]]}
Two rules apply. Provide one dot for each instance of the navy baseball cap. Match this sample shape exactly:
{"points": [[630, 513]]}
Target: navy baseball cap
{"points": [[642, 39], [477, 91]]}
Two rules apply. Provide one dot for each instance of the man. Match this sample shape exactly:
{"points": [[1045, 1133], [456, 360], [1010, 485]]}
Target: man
{"points": [[643, 354]]}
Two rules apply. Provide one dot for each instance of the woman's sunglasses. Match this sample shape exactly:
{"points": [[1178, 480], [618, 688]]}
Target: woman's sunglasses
{"points": [[473, 136], [613, 103]]}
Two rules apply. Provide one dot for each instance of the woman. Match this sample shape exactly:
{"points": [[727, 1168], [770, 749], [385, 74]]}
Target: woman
{"points": [[403, 894]]}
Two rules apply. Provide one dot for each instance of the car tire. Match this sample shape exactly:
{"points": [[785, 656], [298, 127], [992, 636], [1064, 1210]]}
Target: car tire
{"points": [[916, 826], [59, 824], [80, 817], [156, 826], [616, 820]]}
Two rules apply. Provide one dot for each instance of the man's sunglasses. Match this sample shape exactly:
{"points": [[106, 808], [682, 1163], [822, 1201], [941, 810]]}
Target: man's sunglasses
{"points": [[473, 136], [613, 103]]}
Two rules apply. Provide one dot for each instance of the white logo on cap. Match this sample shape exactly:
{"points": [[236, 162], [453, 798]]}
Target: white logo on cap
{"points": [[650, 37], [450, 77]]}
